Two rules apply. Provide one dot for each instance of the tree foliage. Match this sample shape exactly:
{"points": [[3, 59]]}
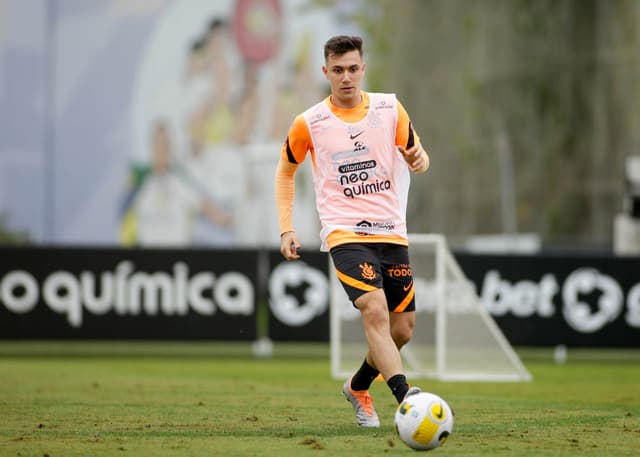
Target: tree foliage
{"points": [[527, 107]]}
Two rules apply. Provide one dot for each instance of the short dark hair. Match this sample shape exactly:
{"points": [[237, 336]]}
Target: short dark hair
{"points": [[216, 23], [341, 44]]}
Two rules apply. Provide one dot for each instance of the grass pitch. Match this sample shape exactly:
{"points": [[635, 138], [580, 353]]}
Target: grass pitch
{"points": [[206, 399]]}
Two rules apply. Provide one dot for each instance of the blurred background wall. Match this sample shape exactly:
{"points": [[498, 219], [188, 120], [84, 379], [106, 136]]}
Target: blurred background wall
{"points": [[529, 110]]}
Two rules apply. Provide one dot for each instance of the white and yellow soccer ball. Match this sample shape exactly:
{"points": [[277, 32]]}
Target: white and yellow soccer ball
{"points": [[424, 421]]}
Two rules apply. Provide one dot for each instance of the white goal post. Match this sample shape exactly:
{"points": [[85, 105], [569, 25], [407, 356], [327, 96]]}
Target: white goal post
{"points": [[455, 337]]}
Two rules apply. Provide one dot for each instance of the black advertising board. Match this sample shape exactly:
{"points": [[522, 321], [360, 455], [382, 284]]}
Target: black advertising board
{"points": [[544, 299], [541, 300], [299, 298], [130, 294], [78, 293]]}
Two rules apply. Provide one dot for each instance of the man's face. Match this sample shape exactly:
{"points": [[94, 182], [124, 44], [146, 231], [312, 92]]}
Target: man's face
{"points": [[344, 73]]}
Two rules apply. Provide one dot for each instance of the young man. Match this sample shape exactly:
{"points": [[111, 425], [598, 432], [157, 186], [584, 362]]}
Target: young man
{"points": [[363, 148]]}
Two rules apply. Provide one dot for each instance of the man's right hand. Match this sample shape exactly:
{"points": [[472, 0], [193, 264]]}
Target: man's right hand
{"points": [[289, 245]]}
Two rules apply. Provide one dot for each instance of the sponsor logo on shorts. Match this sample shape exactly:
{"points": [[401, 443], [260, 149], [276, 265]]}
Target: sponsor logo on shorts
{"points": [[402, 270], [367, 271]]}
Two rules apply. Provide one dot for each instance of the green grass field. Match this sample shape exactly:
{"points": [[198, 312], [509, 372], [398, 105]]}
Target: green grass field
{"points": [[205, 399]]}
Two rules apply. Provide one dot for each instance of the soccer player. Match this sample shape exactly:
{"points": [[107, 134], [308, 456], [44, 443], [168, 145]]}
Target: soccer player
{"points": [[362, 147]]}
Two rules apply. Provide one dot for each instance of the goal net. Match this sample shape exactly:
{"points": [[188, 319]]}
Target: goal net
{"points": [[455, 337]]}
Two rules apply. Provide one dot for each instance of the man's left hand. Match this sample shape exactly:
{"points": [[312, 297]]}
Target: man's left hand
{"points": [[416, 158]]}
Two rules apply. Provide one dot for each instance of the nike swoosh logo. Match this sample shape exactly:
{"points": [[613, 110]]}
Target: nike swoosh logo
{"points": [[353, 137], [440, 412], [407, 287]]}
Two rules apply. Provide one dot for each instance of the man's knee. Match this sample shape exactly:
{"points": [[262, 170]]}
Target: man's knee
{"points": [[373, 308], [402, 332]]}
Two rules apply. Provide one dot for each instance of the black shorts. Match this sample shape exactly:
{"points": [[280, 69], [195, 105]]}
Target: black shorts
{"points": [[365, 267]]}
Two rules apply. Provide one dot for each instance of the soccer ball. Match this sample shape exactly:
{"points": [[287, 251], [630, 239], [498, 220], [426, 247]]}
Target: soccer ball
{"points": [[424, 421]]}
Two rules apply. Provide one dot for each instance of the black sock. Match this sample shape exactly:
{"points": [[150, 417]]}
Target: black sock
{"points": [[398, 385], [364, 376]]}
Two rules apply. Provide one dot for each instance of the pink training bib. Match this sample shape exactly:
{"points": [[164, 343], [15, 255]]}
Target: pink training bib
{"points": [[361, 180]]}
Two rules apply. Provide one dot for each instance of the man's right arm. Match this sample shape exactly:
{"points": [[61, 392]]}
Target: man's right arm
{"points": [[293, 152], [285, 192]]}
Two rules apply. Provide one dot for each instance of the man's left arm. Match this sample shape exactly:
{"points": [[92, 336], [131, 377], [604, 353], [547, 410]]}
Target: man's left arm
{"points": [[408, 143]]}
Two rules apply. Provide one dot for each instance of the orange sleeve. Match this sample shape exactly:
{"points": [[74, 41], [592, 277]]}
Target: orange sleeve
{"points": [[298, 142], [293, 152], [285, 193], [406, 136]]}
